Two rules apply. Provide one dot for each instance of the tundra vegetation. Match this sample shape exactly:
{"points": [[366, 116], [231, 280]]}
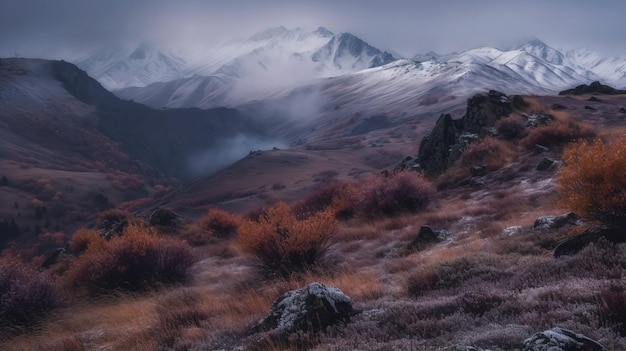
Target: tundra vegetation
{"points": [[490, 282]]}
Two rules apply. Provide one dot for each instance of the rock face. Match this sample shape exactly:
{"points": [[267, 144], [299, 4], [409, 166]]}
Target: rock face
{"points": [[545, 164], [559, 339], [425, 237], [311, 308], [574, 244], [446, 142], [536, 119], [593, 88], [555, 222]]}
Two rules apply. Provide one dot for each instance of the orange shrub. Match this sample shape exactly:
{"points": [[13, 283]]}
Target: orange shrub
{"points": [[137, 260], [285, 245], [337, 196], [557, 133], [220, 224], [593, 180], [83, 238], [402, 192], [491, 152]]}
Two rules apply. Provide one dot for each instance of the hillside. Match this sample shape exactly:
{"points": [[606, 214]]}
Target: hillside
{"points": [[69, 148], [486, 279]]}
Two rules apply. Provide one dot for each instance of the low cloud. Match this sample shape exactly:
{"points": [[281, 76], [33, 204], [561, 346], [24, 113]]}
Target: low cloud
{"points": [[226, 153]]}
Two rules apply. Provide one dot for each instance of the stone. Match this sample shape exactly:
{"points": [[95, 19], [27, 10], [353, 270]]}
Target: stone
{"points": [[593, 88], [448, 139], [478, 171], [559, 339], [555, 222], [515, 230], [574, 244], [425, 237], [536, 119], [540, 149], [594, 99], [622, 110], [558, 107], [587, 107], [545, 164], [164, 217], [311, 308]]}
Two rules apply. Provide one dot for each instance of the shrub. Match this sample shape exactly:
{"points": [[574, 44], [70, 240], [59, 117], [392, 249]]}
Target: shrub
{"points": [[491, 152], [220, 224], [83, 238], [557, 133], [402, 192], [613, 307], [25, 294], [512, 127], [337, 196], [593, 180], [135, 261], [285, 245]]}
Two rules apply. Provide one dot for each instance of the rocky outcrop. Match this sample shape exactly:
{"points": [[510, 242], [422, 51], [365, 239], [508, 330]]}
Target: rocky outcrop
{"points": [[446, 142], [574, 244], [311, 308], [426, 237], [559, 339], [536, 119], [163, 217], [593, 88], [555, 222], [545, 164]]}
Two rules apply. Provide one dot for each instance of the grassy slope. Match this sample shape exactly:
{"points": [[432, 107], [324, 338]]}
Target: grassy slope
{"points": [[480, 288]]}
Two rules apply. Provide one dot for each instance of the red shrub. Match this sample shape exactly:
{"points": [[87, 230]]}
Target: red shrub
{"points": [[403, 192], [491, 152], [512, 127], [557, 133], [337, 196], [136, 260], [285, 245], [220, 224]]}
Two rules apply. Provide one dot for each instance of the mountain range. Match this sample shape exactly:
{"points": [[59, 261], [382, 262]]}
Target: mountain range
{"points": [[279, 62]]}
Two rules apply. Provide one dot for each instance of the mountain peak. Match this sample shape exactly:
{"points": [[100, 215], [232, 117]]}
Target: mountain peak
{"points": [[323, 32], [541, 50], [270, 33]]}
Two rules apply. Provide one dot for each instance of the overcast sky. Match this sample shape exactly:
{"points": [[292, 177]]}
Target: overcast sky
{"points": [[59, 27]]}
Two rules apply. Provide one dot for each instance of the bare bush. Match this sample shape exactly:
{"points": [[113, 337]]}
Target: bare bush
{"points": [[25, 295], [137, 260], [400, 193], [285, 245]]}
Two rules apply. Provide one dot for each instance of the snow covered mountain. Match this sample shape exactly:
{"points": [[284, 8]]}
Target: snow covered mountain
{"points": [[296, 55], [267, 64], [132, 65]]}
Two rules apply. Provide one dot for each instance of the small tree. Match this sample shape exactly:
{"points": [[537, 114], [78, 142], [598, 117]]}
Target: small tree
{"points": [[593, 180], [285, 245]]}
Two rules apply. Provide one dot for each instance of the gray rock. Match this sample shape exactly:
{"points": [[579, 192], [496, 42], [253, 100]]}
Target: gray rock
{"points": [[559, 339], [515, 230], [545, 164], [425, 237], [311, 308], [540, 149], [478, 171], [574, 244], [555, 222], [536, 119]]}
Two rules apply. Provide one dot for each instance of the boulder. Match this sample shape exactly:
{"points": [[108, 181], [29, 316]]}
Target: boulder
{"points": [[559, 339], [540, 149], [622, 110], [593, 88], [545, 164], [311, 308], [514, 230], [425, 237], [555, 222], [163, 217], [559, 107], [587, 107], [574, 244], [478, 171], [535, 119], [594, 99]]}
